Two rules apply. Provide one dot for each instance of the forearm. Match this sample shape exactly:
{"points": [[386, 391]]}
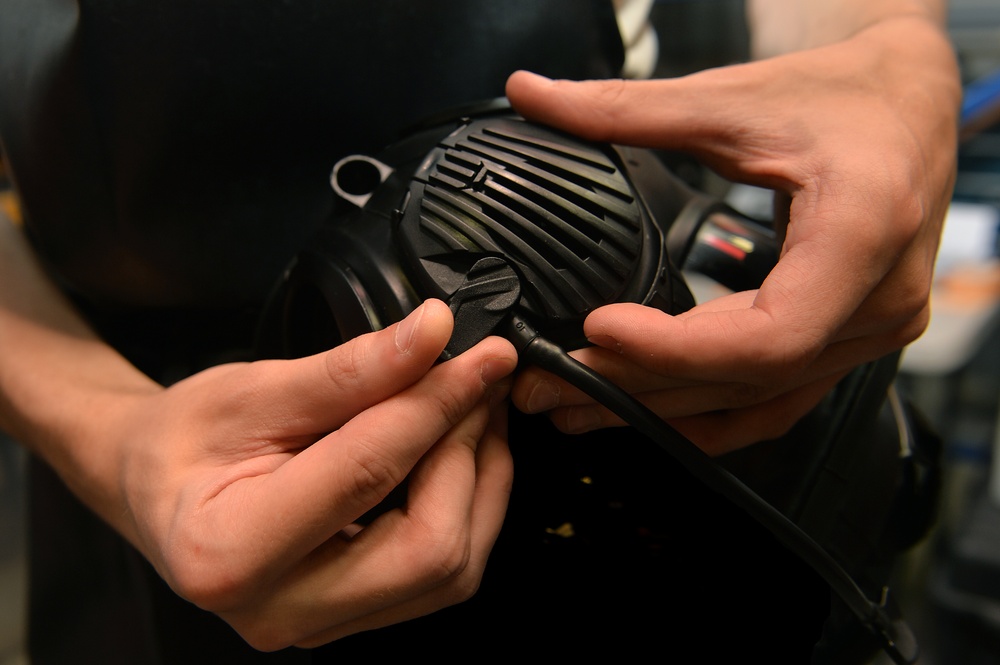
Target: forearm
{"points": [[783, 26], [60, 385]]}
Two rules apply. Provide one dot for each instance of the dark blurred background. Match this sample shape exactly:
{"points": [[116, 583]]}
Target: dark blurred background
{"points": [[949, 584]]}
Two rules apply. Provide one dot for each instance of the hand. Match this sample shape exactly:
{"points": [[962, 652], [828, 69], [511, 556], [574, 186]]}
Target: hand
{"points": [[244, 483], [857, 138]]}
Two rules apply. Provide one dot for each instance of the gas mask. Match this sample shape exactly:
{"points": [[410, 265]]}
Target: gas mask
{"points": [[523, 231], [503, 218]]}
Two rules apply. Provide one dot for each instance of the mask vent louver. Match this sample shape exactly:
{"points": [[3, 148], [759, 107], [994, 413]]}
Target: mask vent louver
{"points": [[560, 210]]}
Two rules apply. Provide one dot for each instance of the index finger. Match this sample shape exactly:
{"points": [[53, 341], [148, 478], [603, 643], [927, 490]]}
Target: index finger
{"points": [[339, 478]]}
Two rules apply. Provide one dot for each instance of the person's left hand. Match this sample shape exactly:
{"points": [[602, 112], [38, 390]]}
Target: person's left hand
{"points": [[858, 139], [245, 485]]}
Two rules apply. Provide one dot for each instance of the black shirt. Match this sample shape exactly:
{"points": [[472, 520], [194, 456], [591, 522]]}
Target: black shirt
{"points": [[172, 157]]}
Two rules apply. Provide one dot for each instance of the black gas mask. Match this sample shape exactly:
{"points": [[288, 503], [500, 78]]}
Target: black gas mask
{"points": [[503, 218], [523, 231]]}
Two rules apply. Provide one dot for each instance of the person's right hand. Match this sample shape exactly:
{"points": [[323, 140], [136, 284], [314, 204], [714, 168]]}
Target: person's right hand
{"points": [[856, 137], [244, 483]]}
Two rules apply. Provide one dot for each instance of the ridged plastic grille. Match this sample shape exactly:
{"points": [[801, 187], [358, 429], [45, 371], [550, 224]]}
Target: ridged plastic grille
{"points": [[563, 212]]}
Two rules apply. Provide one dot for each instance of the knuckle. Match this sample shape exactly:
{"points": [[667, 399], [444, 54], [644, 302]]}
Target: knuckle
{"points": [[903, 318], [227, 589], [913, 304], [442, 560], [901, 335], [464, 588], [912, 216], [264, 635], [372, 475], [911, 327], [209, 584], [445, 558], [454, 399], [202, 566], [344, 365], [915, 327], [265, 631]]}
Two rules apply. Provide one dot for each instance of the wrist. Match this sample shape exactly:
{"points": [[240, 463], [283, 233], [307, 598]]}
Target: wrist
{"points": [[786, 26], [64, 395], [63, 391], [77, 429], [918, 53]]}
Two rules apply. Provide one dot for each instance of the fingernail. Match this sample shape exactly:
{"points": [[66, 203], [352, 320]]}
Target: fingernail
{"points": [[406, 331], [544, 396], [494, 369], [606, 342]]}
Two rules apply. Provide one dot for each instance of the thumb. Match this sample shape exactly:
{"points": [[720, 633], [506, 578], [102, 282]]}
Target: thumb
{"points": [[620, 111], [319, 393], [707, 114]]}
